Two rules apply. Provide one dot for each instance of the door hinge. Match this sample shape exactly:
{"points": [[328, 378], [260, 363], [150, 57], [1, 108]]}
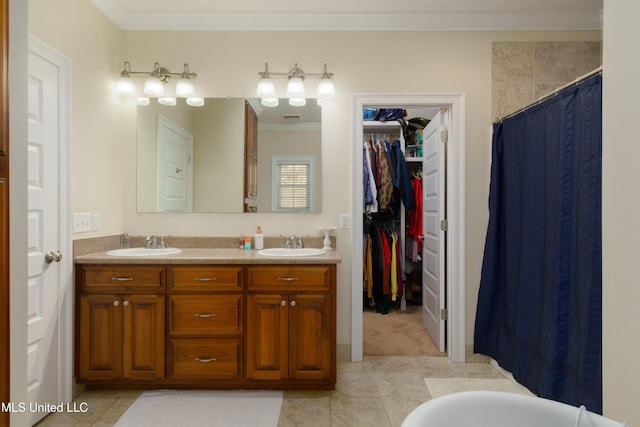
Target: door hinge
{"points": [[444, 225], [444, 314], [444, 135]]}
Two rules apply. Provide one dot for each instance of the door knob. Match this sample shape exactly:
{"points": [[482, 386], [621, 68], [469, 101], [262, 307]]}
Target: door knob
{"points": [[51, 256]]}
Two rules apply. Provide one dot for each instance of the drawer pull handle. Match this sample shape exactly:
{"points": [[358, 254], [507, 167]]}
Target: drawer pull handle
{"points": [[206, 279], [207, 360], [288, 279], [205, 316], [122, 279]]}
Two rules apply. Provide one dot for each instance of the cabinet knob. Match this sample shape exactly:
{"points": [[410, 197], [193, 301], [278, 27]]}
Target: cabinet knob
{"points": [[116, 303], [293, 303], [283, 303], [125, 303]]}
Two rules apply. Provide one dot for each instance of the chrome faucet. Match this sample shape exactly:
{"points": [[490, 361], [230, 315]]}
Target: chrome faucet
{"points": [[293, 242], [152, 242]]}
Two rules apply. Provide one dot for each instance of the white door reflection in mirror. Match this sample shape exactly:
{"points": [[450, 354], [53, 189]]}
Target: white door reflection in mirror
{"points": [[175, 173]]}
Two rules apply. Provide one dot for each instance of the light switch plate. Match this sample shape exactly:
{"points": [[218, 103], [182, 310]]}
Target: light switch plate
{"points": [[82, 222], [345, 221], [95, 222]]}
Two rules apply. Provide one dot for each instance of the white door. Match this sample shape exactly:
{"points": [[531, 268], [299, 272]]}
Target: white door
{"points": [[433, 252], [175, 174], [45, 322]]}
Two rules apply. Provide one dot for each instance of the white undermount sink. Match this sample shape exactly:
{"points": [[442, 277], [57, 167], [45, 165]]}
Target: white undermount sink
{"points": [[291, 252], [139, 252]]}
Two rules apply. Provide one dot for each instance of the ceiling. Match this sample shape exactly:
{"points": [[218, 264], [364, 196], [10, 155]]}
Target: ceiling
{"points": [[353, 15]]}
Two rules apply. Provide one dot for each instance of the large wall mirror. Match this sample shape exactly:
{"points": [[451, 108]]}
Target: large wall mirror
{"points": [[194, 159]]}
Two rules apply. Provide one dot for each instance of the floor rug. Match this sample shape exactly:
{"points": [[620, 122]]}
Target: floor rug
{"points": [[168, 408], [442, 386]]}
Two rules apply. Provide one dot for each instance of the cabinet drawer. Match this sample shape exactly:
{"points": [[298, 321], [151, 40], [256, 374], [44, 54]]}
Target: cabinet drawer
{"points": [[205, 314], [288, 278], [201, 278], [206, 358], [123, 277]]}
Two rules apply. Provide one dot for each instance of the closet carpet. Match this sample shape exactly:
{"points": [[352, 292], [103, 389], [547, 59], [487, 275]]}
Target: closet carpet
{"points": [[399, 333]]}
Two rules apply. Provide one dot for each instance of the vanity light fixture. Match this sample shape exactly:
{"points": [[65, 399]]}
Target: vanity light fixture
{"points": [[295, 86], [155, 83]]}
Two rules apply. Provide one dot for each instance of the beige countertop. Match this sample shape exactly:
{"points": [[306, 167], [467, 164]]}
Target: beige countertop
{"points": [[209, 256]]}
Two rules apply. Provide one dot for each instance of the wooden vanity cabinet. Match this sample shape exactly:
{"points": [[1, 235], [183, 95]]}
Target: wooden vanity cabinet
{"points": [[291, 325], [120, 323], [206, 324], [233, 326]]}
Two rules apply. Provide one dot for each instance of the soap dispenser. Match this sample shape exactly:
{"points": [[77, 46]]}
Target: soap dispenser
{"points": [[258, 240]]}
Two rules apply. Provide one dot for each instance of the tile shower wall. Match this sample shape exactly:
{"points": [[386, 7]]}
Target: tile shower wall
{"points": [[522, 72]]}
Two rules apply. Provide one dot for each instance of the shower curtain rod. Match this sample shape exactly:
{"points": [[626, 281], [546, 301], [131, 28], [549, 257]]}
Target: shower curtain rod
{"points": [[551, 94]]}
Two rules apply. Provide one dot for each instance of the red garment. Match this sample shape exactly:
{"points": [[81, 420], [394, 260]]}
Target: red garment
{"points": [[415, 216]]}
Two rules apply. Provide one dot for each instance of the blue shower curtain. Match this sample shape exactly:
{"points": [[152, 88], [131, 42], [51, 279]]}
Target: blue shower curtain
{"points": [[539, 312]]}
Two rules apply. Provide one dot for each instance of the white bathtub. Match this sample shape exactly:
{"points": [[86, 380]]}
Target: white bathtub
{"points": [[499, 409]]}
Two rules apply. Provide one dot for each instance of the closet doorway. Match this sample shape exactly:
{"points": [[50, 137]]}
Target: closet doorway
{"points": [[446, 112]]}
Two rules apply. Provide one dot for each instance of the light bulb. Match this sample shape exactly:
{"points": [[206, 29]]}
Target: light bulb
{"points": [[266, 88], [153, 87], [143, 101], [295, 87], [184, 88], [195, 102], [167, 101], [326, 89], [125, 86], [297, 102], [269, 102]]}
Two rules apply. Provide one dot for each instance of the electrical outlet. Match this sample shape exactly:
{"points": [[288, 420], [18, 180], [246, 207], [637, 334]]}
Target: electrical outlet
{"points": [[95, 222], [345, 221], [82, 222]]}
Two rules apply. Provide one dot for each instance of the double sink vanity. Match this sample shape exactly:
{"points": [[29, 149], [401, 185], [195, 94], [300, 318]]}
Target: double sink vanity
{"points": [[206, 318]]}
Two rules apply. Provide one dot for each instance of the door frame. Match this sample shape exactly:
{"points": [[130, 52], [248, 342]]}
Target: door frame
{"points": [[455, 200], [65, 289]]}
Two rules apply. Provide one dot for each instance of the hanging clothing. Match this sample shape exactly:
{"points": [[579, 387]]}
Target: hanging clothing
{"points": [[370, 185], [386, 186], [414, 229], [402, 182], [383, 270]]}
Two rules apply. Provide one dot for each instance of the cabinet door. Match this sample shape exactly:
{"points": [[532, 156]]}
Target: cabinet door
{"points": [[143, 336], [267, 337], [100, 337], [310, 324]]}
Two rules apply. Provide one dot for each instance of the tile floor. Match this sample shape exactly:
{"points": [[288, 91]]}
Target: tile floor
{"points": [[380, 391]]}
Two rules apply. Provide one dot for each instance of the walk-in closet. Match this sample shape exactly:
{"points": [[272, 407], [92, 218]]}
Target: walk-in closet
{"points": [[393, 235]]}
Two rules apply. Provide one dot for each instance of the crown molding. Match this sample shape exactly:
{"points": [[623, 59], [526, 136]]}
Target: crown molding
{"points": [[347, 21]]}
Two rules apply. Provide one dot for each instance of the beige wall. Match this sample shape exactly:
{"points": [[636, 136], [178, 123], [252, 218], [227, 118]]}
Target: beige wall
{"points": [[621, 210], [400, 62], [103, 135]]}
